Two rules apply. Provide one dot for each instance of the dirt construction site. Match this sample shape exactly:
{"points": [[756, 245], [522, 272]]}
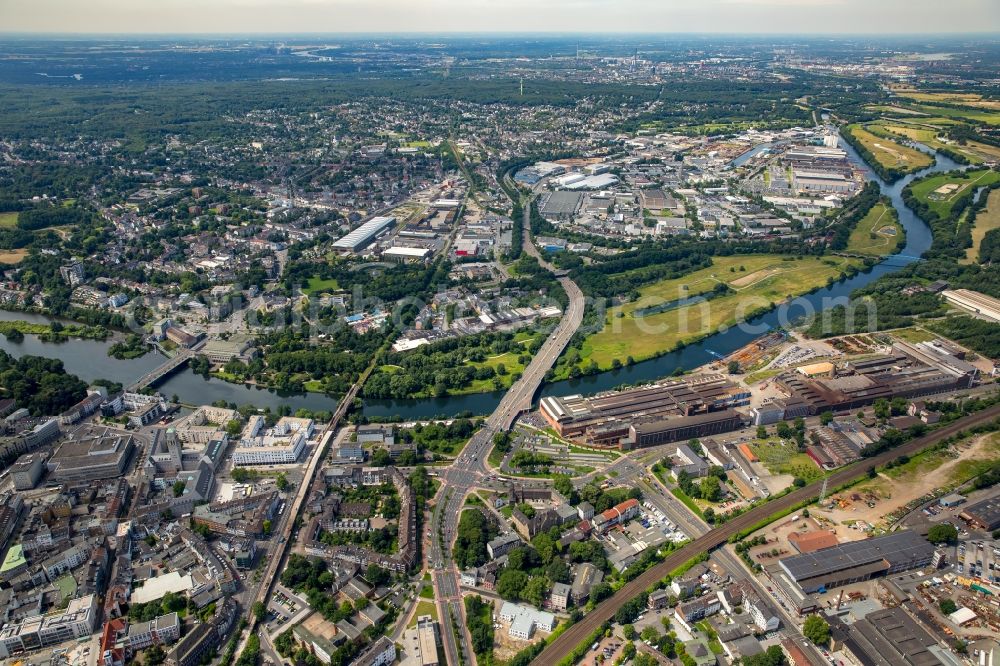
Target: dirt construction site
{"points": [[884, 500]]}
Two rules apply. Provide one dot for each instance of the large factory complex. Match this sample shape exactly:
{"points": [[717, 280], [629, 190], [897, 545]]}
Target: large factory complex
{"points": [[697, 406]]}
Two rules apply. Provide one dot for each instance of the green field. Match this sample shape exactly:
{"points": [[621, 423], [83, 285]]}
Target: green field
{"points": [[878, 233], [785, 458], [986, 220], [942, 202], [318, 286], [424, 608], [972, 99], [965, 113], [757, 281], [8, 220], [975, 152], [890, 154], [914, 334]]}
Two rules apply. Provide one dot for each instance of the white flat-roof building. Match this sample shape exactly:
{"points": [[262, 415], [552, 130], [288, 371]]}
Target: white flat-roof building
{"points": [[404, 254], [270, 450], [282, 444], [524, 620], [162, 630], [974, 301], [38, 631], [364, 235]]}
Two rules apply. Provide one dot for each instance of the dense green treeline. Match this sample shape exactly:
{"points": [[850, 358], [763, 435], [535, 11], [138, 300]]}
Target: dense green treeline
{"points": [[40, 385]]}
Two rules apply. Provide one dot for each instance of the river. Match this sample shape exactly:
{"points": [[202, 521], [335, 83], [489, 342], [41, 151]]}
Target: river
{"points": [[89, 360], [918, 241]]}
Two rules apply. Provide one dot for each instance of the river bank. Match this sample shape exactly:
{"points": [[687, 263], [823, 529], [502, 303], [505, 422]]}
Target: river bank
{"points": [[89, 358]]}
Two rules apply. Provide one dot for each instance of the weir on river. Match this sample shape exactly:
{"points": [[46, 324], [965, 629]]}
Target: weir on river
{"points": [[89, 359]]}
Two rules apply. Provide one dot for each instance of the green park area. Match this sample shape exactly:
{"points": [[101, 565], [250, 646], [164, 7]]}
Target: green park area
{"points": [[8, 220], [943, 191], [423, 608], [646, 327], [320, 286], [878, 233], [890, 154], [932, 135], [783, 457]]}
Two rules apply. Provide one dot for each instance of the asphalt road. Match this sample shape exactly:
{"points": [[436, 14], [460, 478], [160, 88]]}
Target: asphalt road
{"points": [[579, 632], [469, 469]]}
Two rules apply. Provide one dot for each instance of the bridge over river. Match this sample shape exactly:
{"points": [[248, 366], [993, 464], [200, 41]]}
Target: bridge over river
{"points": [[180, 358]]}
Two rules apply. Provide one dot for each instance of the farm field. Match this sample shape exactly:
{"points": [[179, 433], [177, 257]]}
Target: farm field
{"points": [[942, 202], [757, 282], [8, 220], [965, 99], [878, 233], [987, 220], [890, 154]]}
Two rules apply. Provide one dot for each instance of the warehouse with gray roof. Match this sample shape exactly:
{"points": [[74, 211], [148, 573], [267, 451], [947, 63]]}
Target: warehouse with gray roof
{"points": [[857, 561]]}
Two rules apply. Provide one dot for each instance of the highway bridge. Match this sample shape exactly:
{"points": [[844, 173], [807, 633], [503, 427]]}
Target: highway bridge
{"points": [[469, 469], [581, 631]]}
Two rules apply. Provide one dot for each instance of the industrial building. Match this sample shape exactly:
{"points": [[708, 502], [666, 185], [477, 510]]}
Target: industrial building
{"points": [[561, 206], [888, 637], [666, 430], [402, 254], [985, 514], [659, 413], [911, 371], [973, 301], [858, 560], [361, 237]]}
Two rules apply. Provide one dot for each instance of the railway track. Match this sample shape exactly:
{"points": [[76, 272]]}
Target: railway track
{"points": [[567, 641]]}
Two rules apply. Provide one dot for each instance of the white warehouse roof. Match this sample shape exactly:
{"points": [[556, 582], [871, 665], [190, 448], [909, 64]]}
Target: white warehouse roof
{"points": [[365, 233]]}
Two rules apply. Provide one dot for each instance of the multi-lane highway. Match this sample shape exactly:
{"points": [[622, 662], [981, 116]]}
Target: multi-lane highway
{"points": [[568, 640], [470, 466]]}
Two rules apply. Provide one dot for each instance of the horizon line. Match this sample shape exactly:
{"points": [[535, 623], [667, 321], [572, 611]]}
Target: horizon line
{"points": [[498, 33]]}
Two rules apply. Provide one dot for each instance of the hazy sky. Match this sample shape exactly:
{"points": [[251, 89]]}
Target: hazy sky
{"points": [[329, 16]]}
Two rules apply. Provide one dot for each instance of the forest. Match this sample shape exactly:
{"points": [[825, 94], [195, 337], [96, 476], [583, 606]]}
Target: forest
{"points": [[40, 385]]}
